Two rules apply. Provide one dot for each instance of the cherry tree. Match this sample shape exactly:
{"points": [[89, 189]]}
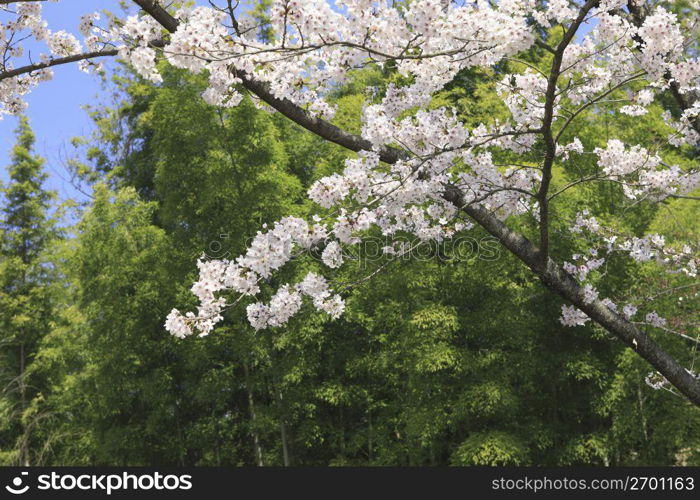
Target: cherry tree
{"points": [[417, 169]]}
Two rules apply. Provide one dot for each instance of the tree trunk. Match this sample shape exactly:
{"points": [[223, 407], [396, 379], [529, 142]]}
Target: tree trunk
{"points": [[283, 431], [370, 445], [24, 442], [251, 407]]}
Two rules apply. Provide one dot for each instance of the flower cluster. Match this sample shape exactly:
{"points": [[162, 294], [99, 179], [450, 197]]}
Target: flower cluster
{"points": [[26, 23], [443, 165], [642, 173], [268, 252], [571, 316], [430, 42]]}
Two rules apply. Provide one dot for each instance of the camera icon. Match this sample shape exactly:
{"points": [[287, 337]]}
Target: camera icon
{"points": [[16, 488]]}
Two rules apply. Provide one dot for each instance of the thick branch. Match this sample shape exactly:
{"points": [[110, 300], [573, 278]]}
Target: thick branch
{"points": [[551, 274], [295, 113], [153, 9], [557, 280], [318, 126]]}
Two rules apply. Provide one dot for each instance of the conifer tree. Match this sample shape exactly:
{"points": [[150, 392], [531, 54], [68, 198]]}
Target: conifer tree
{"points": [[26, 229]]}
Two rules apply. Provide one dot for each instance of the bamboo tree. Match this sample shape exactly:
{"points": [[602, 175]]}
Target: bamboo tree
{"points": [[27, 229]]}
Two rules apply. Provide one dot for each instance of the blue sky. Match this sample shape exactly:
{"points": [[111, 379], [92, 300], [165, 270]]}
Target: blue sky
{"points": [[55, 107]]}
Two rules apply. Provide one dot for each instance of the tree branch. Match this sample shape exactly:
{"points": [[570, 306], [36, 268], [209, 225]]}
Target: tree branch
{"points": [[295, 113], [552, 275], [153, 9], [550, 142], [557, 280], [56, 62]]}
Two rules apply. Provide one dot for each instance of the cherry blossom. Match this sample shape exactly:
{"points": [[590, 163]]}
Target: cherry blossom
{"points": [[418, 169]]}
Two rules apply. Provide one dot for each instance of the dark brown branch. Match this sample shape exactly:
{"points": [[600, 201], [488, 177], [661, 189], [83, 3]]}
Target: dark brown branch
{"points": [[317, 125], [550, 142], [153, 9], [297, 114], [56, 62], [557, 280]]}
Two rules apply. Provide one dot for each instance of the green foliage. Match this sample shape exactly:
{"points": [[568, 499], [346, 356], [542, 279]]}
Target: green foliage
{"points": [[458, 358], [490, 448], [26, 231]]}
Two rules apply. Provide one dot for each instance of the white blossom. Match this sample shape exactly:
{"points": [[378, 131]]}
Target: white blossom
{"points": [[571, 316]]}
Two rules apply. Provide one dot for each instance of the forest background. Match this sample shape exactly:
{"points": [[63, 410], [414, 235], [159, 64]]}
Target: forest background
{"points": [[454, 356]]}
